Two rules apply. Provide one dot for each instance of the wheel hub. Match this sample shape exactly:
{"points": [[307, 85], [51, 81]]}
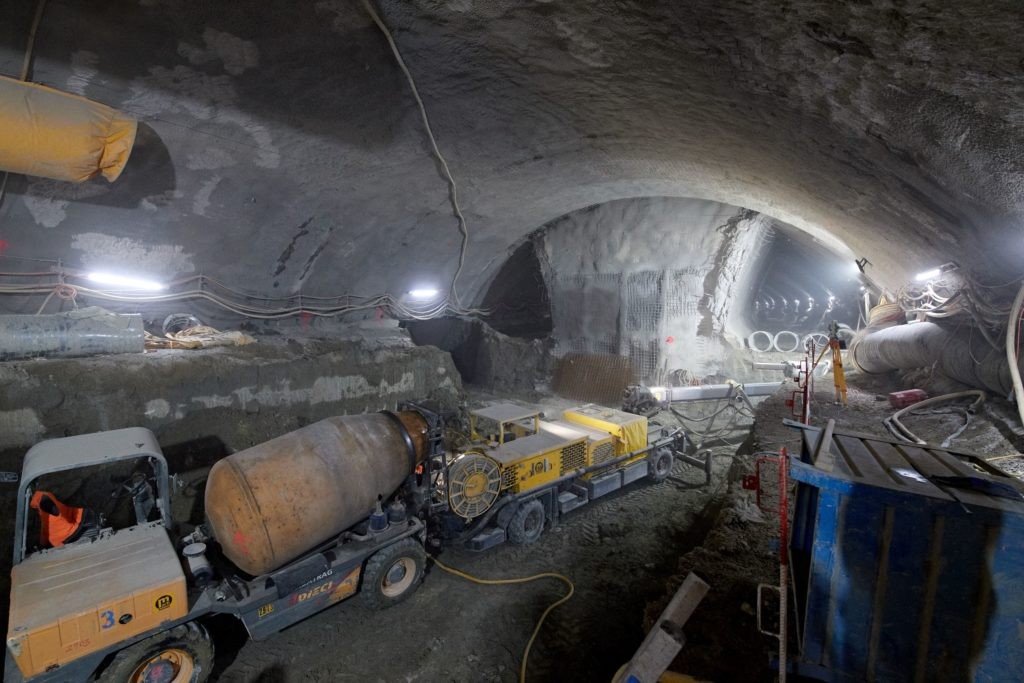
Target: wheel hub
{"points": [[169, 666], [396, 573], [399, 577]]}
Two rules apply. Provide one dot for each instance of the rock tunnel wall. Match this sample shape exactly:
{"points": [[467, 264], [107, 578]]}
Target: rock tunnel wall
{"points": [[204, 404], [278, 132], [657, 280]]}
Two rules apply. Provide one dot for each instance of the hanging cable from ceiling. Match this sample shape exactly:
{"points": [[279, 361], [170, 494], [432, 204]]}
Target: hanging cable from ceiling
{"points": [[452, 187]]}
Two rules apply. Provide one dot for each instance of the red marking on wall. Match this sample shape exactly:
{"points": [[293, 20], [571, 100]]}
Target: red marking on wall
{"points": [[305, 318], [3, 245], [669, 340]]}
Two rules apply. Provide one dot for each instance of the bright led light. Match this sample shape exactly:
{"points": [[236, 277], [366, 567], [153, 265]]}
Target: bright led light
{"points": [[929, 274], [125, 282], [423, 294]]}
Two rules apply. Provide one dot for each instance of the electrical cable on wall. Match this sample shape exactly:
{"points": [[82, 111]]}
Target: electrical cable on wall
{"points": [[201, 287], [463, 228]]}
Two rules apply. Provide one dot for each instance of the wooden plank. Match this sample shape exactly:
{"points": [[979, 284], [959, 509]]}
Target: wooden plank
{"points": [[925, 463], [862, 461], [824, 459], [955, 465], [903, 475], [665, 639]]}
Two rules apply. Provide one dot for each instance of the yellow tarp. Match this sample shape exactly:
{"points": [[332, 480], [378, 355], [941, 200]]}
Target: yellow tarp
{"points": [[630, 430], [53, 134]]}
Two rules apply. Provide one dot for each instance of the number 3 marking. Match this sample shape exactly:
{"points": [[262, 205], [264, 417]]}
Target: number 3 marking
{"points": [[108, 619]]}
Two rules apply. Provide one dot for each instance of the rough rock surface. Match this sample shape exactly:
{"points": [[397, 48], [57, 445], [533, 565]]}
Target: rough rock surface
{"points": [[202, 404], [487, 358], [284, 135], [659, 280]]}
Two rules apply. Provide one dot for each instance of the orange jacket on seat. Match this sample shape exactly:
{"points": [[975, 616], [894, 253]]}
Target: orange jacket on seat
{"points": [[57, 522]]}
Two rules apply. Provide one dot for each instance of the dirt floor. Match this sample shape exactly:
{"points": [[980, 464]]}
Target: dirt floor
{"points": [[626, 553]]}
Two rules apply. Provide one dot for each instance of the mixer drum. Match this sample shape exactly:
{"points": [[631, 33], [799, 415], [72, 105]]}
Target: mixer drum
{"points": [[270, 503]]}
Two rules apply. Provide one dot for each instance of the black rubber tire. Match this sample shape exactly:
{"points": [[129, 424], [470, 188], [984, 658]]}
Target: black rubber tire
{"points": [[393, 573], [660, 465], [527, 524], [190, 637]]}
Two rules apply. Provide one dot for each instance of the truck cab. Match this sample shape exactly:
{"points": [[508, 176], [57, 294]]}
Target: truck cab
{"points": [[104, 589], [116, 578]]}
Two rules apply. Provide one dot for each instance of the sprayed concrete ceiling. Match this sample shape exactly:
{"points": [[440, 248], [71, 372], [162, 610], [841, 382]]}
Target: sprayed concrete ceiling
{"points": [[281, 150]]}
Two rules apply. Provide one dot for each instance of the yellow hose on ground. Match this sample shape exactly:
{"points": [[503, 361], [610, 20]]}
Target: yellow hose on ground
{"points": [[506, 582]]}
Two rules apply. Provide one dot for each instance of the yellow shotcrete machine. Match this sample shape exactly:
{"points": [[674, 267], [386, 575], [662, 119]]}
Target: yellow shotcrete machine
{"points": [[522, 472], [106, 587]]}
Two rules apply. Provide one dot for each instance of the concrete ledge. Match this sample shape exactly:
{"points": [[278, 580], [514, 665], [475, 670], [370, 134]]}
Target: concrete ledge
{"points": [[206, 403]]}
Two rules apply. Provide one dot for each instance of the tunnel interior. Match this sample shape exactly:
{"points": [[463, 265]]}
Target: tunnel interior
{"points": [[410, 294]]}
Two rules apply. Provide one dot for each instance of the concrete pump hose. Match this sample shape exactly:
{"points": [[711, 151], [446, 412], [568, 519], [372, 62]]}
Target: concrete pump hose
{"points": [[1011, 352]]}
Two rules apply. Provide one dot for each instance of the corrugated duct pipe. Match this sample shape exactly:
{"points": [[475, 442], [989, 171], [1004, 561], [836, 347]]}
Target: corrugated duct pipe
{"points": [[887, 345], [53, 134]]}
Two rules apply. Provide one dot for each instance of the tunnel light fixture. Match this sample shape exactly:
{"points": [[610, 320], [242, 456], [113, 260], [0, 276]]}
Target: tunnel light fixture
{"points": [[933, 273], [125, 282], [423, 294]]}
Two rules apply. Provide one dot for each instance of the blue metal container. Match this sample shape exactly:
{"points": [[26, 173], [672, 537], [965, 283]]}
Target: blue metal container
{"points": [[908, 563]]}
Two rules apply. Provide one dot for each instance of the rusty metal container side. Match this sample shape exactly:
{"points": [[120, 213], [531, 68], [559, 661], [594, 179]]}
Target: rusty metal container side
{"points": [[270, 503]]}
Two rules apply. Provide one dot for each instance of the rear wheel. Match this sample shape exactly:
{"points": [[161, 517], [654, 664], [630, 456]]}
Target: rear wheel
{"points": [[527, 524], [394, 573], [182, 655], [660, 465]]}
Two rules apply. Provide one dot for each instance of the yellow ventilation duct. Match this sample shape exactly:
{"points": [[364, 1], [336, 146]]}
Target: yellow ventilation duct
{"points": [[53, 134]]}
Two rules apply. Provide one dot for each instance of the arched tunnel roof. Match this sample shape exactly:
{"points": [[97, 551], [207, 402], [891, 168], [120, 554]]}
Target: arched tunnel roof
{"points": [[280, 149]]}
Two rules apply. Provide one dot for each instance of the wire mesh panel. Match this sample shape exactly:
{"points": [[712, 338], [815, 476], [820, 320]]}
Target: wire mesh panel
{"points": [[585, 312], [682, 292], [651, 317], [642, 302], [593, 378]]}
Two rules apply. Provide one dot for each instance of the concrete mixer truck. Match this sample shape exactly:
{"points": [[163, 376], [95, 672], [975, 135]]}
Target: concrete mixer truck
{"points": [[102, 588]]}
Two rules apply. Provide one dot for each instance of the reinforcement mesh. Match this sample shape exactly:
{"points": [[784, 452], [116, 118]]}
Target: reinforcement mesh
{"points": [[592, 378], [638, 316]]}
